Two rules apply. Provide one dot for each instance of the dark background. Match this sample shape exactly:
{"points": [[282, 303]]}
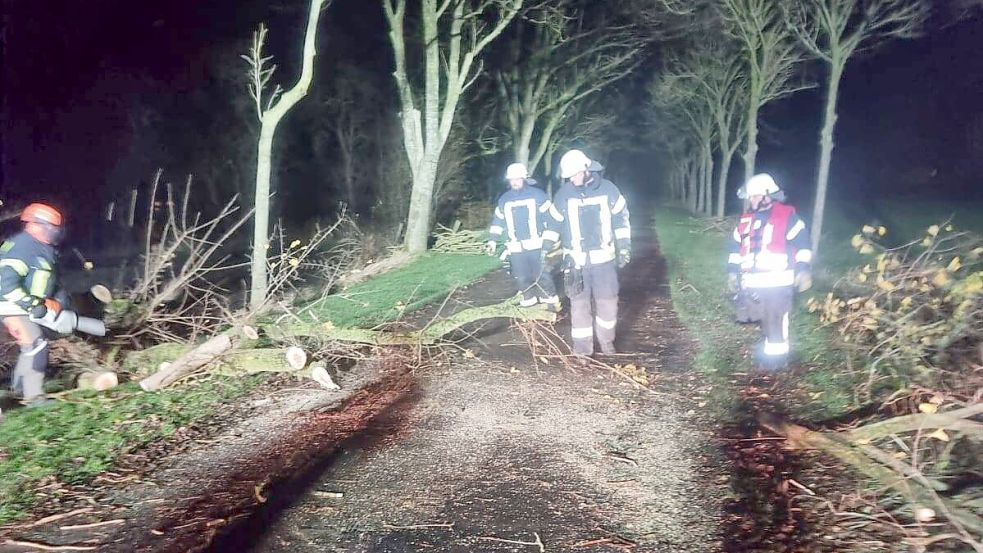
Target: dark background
{"points": [[75, 75]]}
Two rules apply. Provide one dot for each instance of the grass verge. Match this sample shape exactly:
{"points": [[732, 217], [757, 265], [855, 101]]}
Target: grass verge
{"points": [[696, 256], [74, 440]]}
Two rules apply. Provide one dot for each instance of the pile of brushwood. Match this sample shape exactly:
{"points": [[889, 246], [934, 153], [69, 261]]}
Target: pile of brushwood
{"points": [[911, 321]]}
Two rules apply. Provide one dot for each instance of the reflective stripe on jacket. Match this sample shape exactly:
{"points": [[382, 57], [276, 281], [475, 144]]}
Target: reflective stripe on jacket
{"points": [[27, 274], [591, 221], [521, 216], [768, 246]]}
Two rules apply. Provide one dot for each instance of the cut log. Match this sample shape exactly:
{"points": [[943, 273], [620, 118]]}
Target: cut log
{"points": [[101, 293], [253, 361], [98, 381], [296, 357], [915, 490], [189, 362], [320, 375]]}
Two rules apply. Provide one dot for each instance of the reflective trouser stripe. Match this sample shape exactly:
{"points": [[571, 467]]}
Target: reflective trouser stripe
{"points": [[606, 319], [780, 348], [585, 332]]}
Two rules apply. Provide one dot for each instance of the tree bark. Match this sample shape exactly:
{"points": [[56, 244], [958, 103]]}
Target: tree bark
{"points": [[826, 150], [726, 158]]}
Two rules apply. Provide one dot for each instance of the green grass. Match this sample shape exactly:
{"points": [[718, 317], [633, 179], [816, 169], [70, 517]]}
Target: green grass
{"points": [[386, 297], [696, 260], [77, 439]]}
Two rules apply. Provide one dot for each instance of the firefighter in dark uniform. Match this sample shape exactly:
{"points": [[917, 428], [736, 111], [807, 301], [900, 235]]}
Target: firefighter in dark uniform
{"points": [[770, 258], [590, 219], [521, 216], [28, 287]]}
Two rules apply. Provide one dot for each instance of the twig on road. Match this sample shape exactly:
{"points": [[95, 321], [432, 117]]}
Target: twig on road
{"points": [[538, 542], [448, 525]]}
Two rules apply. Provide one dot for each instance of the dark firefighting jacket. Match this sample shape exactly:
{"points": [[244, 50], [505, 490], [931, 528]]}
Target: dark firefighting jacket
{"points": [[591, 221], [27, 274], [521, 215]]}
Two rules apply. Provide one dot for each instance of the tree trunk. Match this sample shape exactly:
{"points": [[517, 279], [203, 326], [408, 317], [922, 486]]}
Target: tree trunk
{"points": [[269, 119], [751, 142], [523, 143], [708, 181], [421, 207], [261, 217], [726, 156], [825, 151]]}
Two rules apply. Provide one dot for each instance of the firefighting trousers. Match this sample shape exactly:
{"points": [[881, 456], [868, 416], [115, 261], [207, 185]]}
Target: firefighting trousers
{"points": [[594, 308], [28, 379], [776, 304], [535, 283]]}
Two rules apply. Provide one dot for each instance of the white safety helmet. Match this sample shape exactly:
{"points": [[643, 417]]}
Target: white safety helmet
{"points": [[574, 162], [516, 171], [761, 184]]}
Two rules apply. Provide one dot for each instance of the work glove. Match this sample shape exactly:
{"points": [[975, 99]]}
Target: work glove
{"points": [[803, 281], [733, 283], [624, 258], [490, 247]]}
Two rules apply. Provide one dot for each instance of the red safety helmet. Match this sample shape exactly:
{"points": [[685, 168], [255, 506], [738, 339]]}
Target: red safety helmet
{"points": [[43, 222]]}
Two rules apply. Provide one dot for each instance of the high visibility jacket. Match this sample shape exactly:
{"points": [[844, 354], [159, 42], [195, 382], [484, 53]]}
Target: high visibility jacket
{"points": [[27, 274], [769, 246], [590, 221], [521, 216]]}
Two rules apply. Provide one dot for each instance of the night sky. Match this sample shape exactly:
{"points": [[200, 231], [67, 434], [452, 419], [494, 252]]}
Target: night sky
{"points": [[70, 68]]}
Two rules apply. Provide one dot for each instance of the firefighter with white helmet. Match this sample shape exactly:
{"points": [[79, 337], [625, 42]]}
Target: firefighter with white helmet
{"points": [[590, 220], [521, 218], [770, 258]]}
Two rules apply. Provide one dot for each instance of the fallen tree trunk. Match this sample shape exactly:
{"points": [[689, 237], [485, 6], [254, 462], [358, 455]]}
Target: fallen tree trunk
{"points": [[427, 336], [222, 344], [189, 362], [915, 488], [955, 420]]}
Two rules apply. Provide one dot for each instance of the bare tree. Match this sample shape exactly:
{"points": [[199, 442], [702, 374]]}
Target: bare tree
{"points": [[711, 71], [271, 106], [833, 31], [351, 111], [684, 106], [455, 33], [557, 58], [771, 58]]}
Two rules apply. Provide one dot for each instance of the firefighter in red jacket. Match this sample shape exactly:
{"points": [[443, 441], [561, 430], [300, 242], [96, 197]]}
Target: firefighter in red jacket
{"points": [[28, 288], [770, 258]]}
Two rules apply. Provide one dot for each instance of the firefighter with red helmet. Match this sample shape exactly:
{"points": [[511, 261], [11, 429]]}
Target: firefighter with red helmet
{"points": [[770, 258], [28, 288]]}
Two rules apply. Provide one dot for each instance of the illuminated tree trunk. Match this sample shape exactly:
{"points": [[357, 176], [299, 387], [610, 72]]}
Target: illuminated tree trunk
{"points": [[270, 116], [826, 150]]}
